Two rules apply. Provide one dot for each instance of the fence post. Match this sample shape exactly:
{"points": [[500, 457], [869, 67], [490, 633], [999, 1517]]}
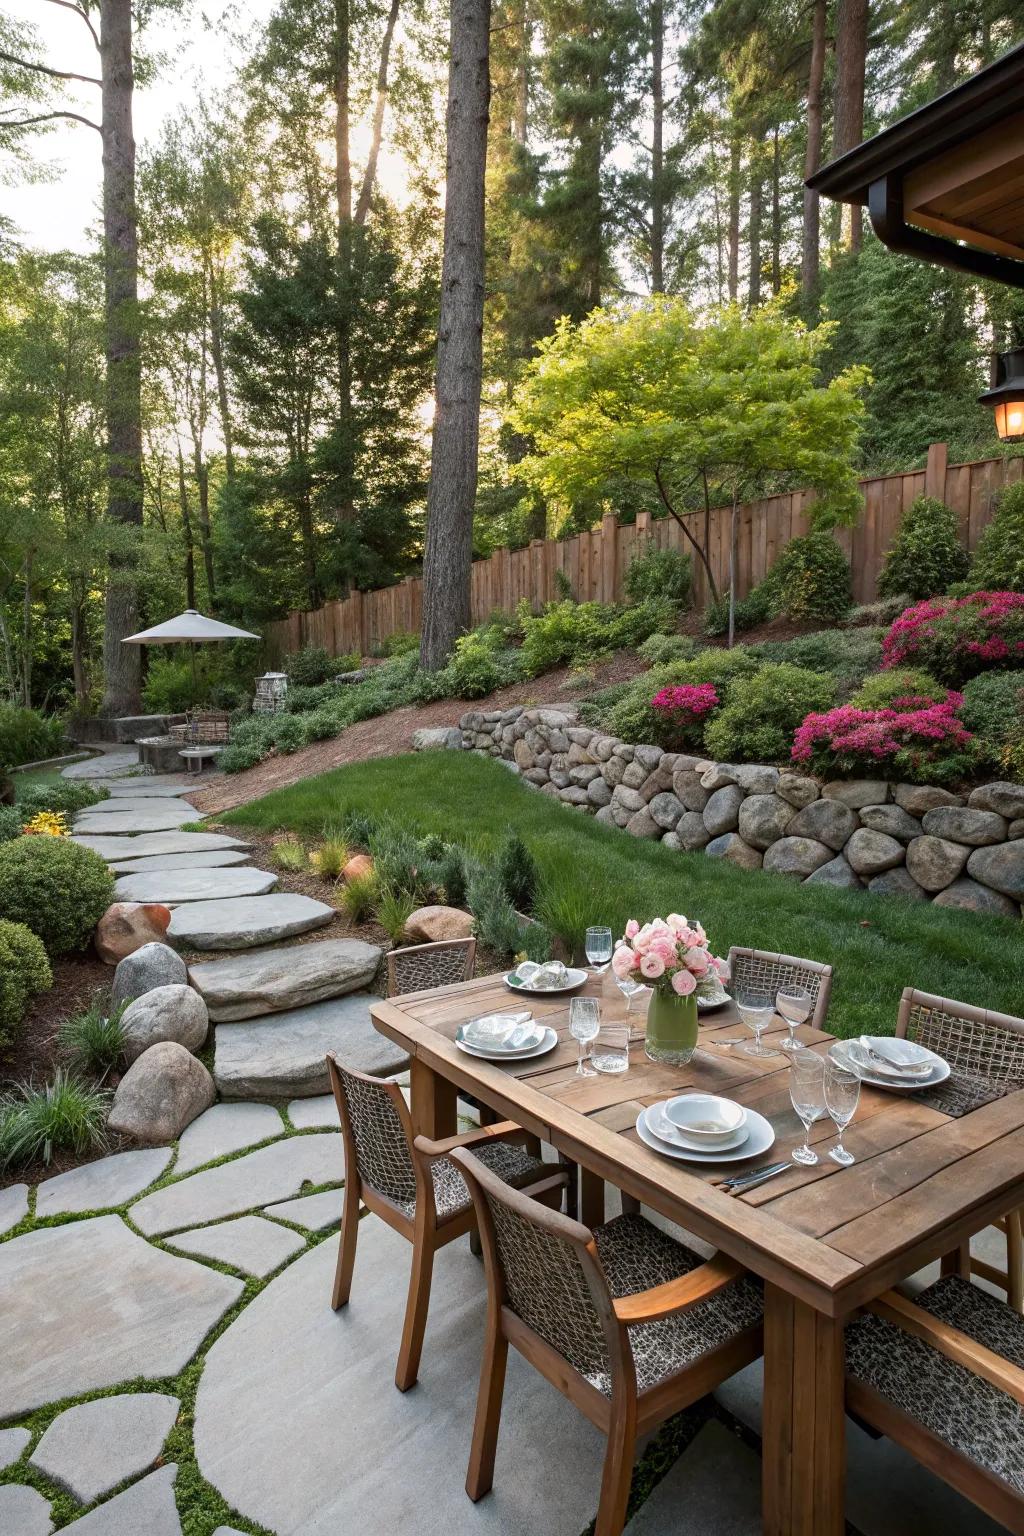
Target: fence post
{"points": [[935, 471], [609, 557]]}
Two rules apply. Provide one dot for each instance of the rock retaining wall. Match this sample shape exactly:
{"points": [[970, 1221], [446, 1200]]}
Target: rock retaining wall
{"points": [[911, 840]]}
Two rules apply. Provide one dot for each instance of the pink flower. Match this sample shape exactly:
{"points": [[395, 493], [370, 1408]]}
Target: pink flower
{"points": [[721, 968], [696, 960], [652, 966], [665, 949], [623, 961], [683, 983], [632, 928]]}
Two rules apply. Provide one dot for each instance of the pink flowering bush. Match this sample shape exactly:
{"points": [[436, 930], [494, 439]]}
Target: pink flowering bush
{"points": [[682, 711], [955, 638], [670, 954], [916, 740]]}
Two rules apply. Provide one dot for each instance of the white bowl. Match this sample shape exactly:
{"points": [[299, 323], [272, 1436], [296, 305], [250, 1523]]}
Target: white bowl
{"points": [[705, 1118]]}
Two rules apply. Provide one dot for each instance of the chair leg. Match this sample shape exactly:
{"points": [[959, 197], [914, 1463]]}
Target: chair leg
{"points": [[415, 1312], [1015, 1261], [958, 1262], [618, 1473], [346, 1245], [630, 1204], [480, 1476]]}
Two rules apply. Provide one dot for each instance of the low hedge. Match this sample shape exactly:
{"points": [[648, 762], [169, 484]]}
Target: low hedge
{"points": [[57, 888]]}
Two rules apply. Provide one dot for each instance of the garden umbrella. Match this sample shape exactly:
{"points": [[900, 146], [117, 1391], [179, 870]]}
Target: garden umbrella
{"points": [[190, 628]]}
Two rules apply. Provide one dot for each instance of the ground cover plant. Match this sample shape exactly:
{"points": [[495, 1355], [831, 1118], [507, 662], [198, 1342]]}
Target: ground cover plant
{"points": [[595, 874]]}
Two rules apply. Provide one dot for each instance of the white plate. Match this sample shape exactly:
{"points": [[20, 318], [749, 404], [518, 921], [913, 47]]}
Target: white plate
{"points": [[548, 1043], [667, 1130], [760, 1137], [887, 1080], [576, 979], [712, 1004]]}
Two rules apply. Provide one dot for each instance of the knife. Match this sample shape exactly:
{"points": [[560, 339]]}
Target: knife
{"points": [[745, 1180]]}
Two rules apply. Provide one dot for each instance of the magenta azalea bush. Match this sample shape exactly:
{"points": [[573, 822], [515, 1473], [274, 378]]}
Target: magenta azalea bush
{"points": [[670, 954], [683, 711], [955, 638], [916, 739]]}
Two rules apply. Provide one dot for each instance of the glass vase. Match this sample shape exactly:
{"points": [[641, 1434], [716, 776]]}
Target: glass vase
{"points": [[671, 1027]]}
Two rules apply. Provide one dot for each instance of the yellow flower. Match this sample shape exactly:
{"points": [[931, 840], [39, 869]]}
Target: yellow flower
{"points": [[47, 824]]}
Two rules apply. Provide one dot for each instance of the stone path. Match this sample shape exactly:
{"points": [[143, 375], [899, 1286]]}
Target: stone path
{"points": [[269, 981], [159, 816], [103, 1184], [151, 843], [215, 858], [225, 1129], [283, 1056], [112, 763], [173, 886], [247, 921], [248, 1243], [91, 1448], [277, 1172]]}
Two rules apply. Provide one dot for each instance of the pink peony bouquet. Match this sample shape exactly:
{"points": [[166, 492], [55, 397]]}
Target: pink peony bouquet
{"points": [[671, 954]]}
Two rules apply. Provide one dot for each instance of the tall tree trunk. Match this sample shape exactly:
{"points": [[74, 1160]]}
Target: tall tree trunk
{"points": [[220, 374], [734, 217], [657, 147], [79, 645], [121, 663], [522, 113], [809, 262], [848, 131], [776, 215], [202, 475], [381, 101], [453, 469], [26, 632], [343, 193], [754, 233], [186, 529]]}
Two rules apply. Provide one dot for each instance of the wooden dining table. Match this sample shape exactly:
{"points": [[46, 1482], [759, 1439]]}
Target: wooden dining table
{"points": [[824, 1239]]}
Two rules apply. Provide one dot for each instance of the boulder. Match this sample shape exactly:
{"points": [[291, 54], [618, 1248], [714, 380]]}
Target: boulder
{"points": [[628, 799], [691, 832], [606, 816], [522, 756], [598, 792], [763, 819], [1015, 829], [716, 776], [732, 847], [658, 780], [797, 856], [612, 770], [634, 774], [971, 896], [573, 794], [602, 747], [798, 789], [437, 738], [687, 787], [579, 756], [585, 774], [127, 925], [756, 779], [167, 1013], [1002, 868], [1004, 798], [857, 792], [897, 882], [161, 1093], [826, 821], [666, 810], [893, 820], [270, 980], [648, 757], [154, 965], [872, 852], [935, 862], [978, 829], [643, 824], [358, 865], [671, 841], [427, 925], [837, 871], [919, 798], [722, 812]]}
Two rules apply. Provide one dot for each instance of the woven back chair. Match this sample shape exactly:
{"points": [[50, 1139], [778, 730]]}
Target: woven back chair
{"points": [[982, 1044], [627, 1323], [758, 969], [418, 967], [420, 1193]]}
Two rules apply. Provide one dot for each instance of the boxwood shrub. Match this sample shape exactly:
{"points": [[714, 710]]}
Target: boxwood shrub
{"points": [[57, 888], [24, 971]]}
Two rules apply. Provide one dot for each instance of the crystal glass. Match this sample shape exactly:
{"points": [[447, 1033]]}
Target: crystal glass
{"points": [[584, 1024], [610, 1051], [629, 989], [807, 1091], [755, 1009], [598, 946], [842, 1094], [795, 1005]]}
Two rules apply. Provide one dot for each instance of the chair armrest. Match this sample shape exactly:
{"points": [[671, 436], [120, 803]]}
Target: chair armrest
{"points": [[546, 1186], [677, 1295], [504, 1130], [950, 1342]]}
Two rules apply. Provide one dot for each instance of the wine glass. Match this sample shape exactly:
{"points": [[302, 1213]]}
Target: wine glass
{"points": [[842, 1094], [584, 1026], [598, 945], [754, 1006], [794, 1004], [629, 987], [807, 1092]]}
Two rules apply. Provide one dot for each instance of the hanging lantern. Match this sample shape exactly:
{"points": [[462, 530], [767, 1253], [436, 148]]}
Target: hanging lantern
{"points": [[1006, 396]]}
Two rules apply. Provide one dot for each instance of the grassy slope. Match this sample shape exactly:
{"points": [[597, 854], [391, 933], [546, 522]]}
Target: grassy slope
{"points": [[877, 945]]}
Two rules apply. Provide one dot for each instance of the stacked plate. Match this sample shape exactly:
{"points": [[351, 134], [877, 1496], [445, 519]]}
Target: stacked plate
{"points": [[545, 980], [703, 1128], [885, 1062], [505, 1037]]}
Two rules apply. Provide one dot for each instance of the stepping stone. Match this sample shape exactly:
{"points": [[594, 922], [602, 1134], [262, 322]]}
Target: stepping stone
{"points": [[255, 1246], [13, 1206], [313, 1212], [153, 818], [717, 1481], [215, 859], [281, 1379], [96, 1186], [283, 1057], [150, 788], [92, 1447], [245, 986], [228, 1530], [12, 1443], [158, 842], [173, 886], [306, 1114], [145, 1507], [126, 805], [24, 1512], [277, 1172], [226, 1128], [90, 1304], [246, 921], [107, 765]]}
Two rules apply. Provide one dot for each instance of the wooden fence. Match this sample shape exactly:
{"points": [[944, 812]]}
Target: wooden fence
{"points": [[595, 562]]}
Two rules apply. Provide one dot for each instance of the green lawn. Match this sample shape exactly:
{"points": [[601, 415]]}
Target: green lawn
{"points": [[877, 945]]}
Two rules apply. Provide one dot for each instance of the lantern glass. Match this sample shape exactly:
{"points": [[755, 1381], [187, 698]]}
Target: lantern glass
{"points": [[1010, 418]]}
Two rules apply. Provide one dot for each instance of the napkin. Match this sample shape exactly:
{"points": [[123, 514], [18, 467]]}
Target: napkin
{"points": [[542, 978], [888, 1066], [508, 1031]]}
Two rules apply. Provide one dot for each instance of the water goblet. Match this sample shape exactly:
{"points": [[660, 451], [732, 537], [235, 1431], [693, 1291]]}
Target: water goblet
{"points": [[795, 1005], [584, 1026], [610, 1051], [598, 945], [807, 1092], [629, 988], [754, 1006], [842, 1094]]}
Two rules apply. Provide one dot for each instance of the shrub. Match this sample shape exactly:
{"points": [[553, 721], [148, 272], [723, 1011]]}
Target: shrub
{"points": [[26, 736], [67, 795], [321, 725], [658, 649], [955, 638], [24, 971], [631, 716], [659, 575], [763, 711], [396, 645], [994, 706], [582, 633], [749, 611], [237, 758], [473, 669], [314, 664], [289, 734], [904, 688], [394, 909], [811, 579], [684, 710], [999, 558], [848, 654], [169, 687], [95, 1039], [64, 1115], [518, 873], [929, 744], [881, 612], [11, 819], [926, 555], [55, 887], [301, 699], [451, 875]]}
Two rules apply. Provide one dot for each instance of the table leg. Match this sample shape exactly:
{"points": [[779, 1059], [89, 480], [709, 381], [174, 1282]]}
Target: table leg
{"points": [[591, 1198], [804, 1437], [434, 1111]]}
